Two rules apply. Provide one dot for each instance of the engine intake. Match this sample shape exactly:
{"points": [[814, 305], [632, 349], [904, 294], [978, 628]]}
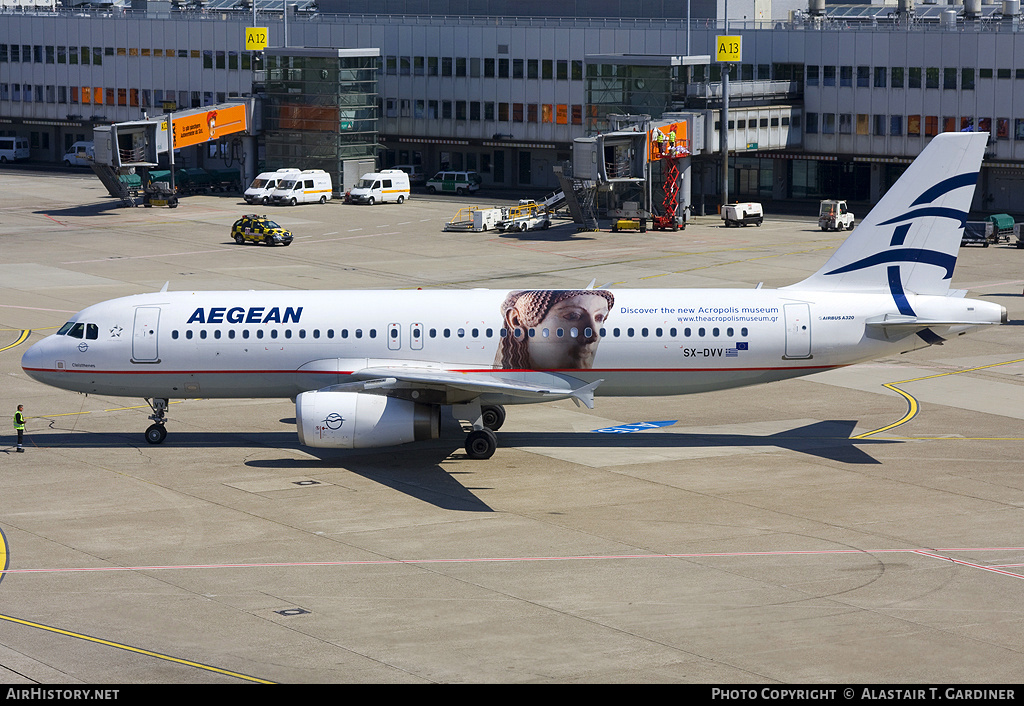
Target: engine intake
{"points": [[353, 420]]}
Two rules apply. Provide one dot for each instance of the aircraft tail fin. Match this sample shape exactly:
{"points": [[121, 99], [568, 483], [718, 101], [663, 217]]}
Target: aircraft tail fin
{"points": [[909, 241]]}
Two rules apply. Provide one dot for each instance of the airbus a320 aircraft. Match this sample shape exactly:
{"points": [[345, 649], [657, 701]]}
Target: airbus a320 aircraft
{"points": [[373, 368]]}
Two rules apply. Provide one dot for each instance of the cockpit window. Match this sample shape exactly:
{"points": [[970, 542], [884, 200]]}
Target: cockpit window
{"points": [[80, 330]]}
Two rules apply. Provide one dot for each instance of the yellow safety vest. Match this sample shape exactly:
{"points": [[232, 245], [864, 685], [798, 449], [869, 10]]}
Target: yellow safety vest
{"points": [[19, 421]]}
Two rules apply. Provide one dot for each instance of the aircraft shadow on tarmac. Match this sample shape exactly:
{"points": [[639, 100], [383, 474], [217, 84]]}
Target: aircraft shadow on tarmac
{"points": [[416, 470]]}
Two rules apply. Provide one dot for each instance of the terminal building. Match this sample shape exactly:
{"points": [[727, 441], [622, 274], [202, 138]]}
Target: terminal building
{"points": [[826, 101]]}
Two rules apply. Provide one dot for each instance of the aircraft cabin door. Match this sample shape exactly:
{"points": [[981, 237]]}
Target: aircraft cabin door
{"points": [[416, 336], [798, 330], [394, 337], [144, 335]]}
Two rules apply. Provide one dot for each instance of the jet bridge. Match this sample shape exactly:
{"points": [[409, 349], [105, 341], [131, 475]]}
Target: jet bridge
{"points": [[125, 152], [641, 162]]}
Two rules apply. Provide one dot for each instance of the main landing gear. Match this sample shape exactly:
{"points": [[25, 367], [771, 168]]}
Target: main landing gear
{"points": [[156, 432], [481, 442]]}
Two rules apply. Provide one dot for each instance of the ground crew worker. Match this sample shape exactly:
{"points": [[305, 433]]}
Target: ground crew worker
{"points": [[659, 142], [19, 425]]}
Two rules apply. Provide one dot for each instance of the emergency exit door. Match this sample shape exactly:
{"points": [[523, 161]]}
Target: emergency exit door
{"points": [[798, 330]]}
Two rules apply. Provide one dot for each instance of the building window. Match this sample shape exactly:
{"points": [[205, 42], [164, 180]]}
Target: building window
{"points": [[829, 76], [949, 79], [863, 76]]}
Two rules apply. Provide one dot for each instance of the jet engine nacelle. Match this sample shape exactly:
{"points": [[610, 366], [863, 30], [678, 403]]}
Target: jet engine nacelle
{"points": [[353, 420]]}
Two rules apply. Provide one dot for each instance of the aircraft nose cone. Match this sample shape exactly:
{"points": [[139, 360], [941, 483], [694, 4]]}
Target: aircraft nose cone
{"points": [[34, 360]]}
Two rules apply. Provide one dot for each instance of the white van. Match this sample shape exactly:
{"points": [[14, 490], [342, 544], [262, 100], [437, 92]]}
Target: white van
{"points": [[381, 187], [309, 186], [454, 182], [263, 185], [415, 172], [81, 154], [13, 149]]}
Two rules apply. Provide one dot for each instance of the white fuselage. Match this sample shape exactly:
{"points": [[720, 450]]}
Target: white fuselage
{"points": [[647, 342]]}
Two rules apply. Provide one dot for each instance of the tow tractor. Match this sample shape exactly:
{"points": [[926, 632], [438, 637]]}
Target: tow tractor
{"points": [[528, 215], [835, 215]]}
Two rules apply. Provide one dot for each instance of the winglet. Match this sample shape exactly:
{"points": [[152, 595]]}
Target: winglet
{"points": [[585, 394]]}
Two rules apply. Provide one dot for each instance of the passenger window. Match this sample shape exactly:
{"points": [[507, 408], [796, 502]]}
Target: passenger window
{"points": [[387, 183], [202, 334], [174, 335], [188, 335], [216, 334], [743, 331], [273, 333]]}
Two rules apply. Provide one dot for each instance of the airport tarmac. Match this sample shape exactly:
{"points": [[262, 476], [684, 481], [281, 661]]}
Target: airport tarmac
{"points": [[808, 531]]}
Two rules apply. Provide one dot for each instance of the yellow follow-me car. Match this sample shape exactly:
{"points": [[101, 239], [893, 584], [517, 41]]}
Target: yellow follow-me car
{"points": [[259, 229]]}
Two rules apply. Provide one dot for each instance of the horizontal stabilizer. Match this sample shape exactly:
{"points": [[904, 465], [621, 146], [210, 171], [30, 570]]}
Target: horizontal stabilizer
{"points": [[900, 321]]}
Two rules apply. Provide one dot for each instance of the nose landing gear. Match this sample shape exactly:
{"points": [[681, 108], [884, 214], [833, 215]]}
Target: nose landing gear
{"points": [[156, 432]]}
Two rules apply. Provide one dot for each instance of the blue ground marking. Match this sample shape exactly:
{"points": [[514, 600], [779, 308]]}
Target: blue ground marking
{"points": [[638, 426]]}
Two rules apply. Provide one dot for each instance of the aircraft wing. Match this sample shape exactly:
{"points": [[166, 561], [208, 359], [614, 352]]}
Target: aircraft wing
{"points": [[457, 386]]}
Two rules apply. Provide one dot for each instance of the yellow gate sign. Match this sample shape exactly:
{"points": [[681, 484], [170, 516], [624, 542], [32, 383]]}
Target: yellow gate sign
{"points": [[255, 38], [729, 48]]}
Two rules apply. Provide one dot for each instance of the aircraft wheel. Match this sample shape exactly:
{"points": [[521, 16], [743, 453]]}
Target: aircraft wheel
{"points": [[481, 444], [493, 416], [156, 433]]}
